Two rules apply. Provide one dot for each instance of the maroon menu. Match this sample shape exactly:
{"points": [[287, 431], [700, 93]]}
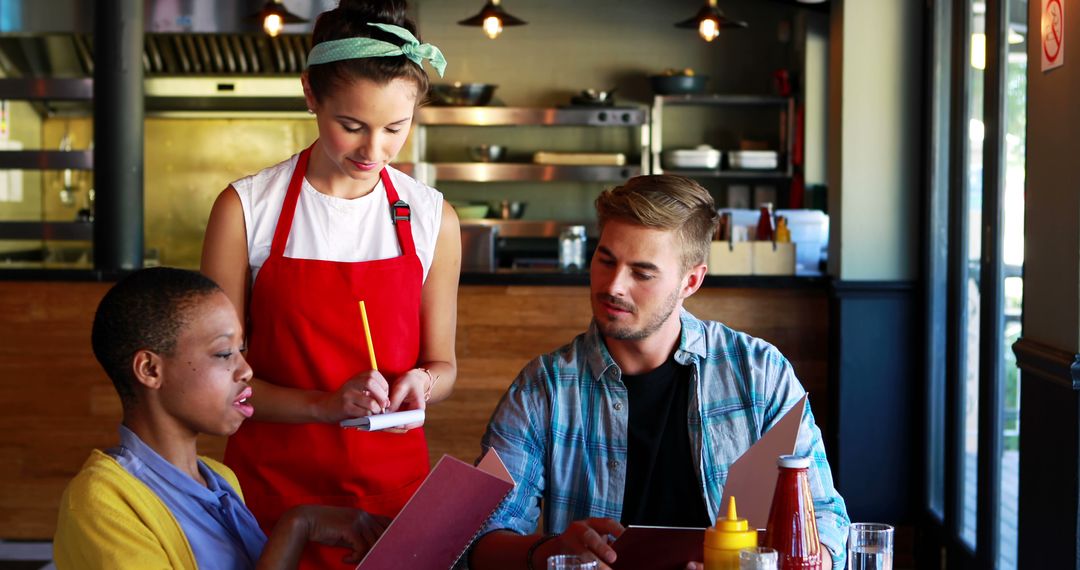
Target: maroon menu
{"points": [[443, 516], [658, 548]]}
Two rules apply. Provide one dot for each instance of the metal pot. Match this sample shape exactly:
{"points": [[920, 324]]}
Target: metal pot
{"points": [[487, 152], [462, 94], [594, 97], [678, 84]]}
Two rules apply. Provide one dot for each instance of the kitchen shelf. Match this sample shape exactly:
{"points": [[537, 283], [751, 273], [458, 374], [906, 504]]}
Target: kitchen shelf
{"points": [[522, 172], [47, 159], [785, 106], [716, 99], [47, 230], [45, 89], [533, 116], [733, 174], [44, 92], [600, 117]]}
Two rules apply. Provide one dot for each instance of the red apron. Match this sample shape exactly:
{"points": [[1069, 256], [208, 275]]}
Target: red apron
{"points": [[306, 332]]}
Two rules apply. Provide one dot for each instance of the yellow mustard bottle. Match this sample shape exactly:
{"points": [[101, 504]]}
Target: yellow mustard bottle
{"points": [[726, 538], [783, 233]]}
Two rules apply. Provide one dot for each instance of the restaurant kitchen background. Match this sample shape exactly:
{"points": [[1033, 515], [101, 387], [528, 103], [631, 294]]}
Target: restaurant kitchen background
{"points": [[208, 125]]}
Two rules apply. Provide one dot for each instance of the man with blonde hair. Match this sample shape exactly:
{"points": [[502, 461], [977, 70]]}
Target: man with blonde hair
{"points": [[637, 420]]}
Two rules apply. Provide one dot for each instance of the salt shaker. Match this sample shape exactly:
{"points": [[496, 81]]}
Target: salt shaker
{"points": [[572, 248]]}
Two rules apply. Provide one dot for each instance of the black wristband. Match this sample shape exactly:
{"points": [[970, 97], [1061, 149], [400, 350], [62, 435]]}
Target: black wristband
{"points": [[534, 547]]}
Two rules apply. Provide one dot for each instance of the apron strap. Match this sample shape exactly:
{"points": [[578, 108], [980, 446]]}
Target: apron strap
{"points": [[400, 215], [399, 210], [288, 207]]}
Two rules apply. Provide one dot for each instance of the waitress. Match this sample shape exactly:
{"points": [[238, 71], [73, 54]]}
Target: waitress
{"points": [[298, 245]]}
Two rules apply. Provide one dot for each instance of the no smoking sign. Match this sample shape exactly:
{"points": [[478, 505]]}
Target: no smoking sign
{"points": [[1053, 34]]}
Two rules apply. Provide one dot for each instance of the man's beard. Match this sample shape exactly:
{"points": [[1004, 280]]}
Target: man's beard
{"points": [[626, 332]]}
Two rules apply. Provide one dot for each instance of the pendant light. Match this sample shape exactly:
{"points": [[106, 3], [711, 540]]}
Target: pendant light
{"points": [[492, 18], [709, 20], [274, 16]]}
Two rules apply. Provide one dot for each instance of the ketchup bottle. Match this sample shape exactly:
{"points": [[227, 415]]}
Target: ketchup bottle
{"points": [[764, 230], [792, 529]]}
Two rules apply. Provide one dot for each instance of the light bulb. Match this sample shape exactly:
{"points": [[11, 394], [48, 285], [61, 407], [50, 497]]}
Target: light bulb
{"points": [[708, 29], [492, 27], [273, 25]]}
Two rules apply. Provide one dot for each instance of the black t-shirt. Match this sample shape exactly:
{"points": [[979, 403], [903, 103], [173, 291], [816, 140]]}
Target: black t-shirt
{"points": [[662, 487]]}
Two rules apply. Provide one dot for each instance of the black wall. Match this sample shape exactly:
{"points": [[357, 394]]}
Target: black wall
{"points": [[874, 439], [1049, 457]]}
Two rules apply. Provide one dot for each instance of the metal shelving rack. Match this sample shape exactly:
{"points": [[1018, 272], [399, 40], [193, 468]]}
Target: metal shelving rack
{"points": [[786, 105], [601, 117], [43, 90]]}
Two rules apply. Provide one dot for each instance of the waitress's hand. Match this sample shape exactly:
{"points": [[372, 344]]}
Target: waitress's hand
{"points": [[362, 395], [409, 393]]}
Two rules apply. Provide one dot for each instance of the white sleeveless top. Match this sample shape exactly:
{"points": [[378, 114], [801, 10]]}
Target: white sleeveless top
{"points": [[336, 229]]}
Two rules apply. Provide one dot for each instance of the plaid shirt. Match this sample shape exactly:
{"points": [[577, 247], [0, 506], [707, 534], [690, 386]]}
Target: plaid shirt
{"points": [[561, 428]]}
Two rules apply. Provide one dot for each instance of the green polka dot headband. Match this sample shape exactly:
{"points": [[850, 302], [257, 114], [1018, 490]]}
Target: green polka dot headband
{"points": [[356, 48]]}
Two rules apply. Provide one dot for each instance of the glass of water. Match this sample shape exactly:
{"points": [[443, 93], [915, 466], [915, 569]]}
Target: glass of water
{"points": [[760, 558], [570, 562], [870, 547]]}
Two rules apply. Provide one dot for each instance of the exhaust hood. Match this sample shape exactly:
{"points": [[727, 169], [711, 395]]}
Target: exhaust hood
{"points": [[198, 55]]}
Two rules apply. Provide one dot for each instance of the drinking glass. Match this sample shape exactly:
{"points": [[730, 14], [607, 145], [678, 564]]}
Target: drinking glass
{"points": [[760, 558], [870, 547], [570, 562]]}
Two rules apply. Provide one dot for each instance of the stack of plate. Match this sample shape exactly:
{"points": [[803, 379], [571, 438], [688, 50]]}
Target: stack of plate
{"points": [[704, 156], [753, 159]]}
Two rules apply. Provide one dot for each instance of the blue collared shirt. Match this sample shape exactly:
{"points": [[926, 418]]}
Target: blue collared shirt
{"points": [[561, 428], [222, 532]]}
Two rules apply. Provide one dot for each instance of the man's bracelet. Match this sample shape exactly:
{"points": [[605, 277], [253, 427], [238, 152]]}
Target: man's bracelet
{"points": [[534, 547]]}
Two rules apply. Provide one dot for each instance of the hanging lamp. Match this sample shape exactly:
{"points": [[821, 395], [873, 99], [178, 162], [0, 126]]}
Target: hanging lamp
{"points": [[274, 16], [709, 20], [492, 18]]}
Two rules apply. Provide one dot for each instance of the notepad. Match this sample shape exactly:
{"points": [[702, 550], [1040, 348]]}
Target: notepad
{"points": [[377, 422]]}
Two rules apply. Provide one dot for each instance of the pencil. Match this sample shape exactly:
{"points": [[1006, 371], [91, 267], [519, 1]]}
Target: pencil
{"points": [[367, 337]]}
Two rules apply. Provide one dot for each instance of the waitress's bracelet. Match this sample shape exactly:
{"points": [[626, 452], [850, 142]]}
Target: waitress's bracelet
{"points": [[535, 546], [432, 379]]}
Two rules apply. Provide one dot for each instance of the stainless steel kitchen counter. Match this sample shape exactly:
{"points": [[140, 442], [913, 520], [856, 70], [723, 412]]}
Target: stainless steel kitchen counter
{"points": [[529, 228]]}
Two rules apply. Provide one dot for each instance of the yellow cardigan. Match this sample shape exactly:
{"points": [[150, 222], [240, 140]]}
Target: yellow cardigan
{"points": [[110, 519]]}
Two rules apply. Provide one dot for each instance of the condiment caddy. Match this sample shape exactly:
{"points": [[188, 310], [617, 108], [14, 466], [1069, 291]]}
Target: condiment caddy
{"points": [[770, 253]]}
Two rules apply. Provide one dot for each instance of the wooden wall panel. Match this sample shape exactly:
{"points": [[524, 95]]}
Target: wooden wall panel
{"points": [[59, 405], [796, 321], [51, 390]]}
